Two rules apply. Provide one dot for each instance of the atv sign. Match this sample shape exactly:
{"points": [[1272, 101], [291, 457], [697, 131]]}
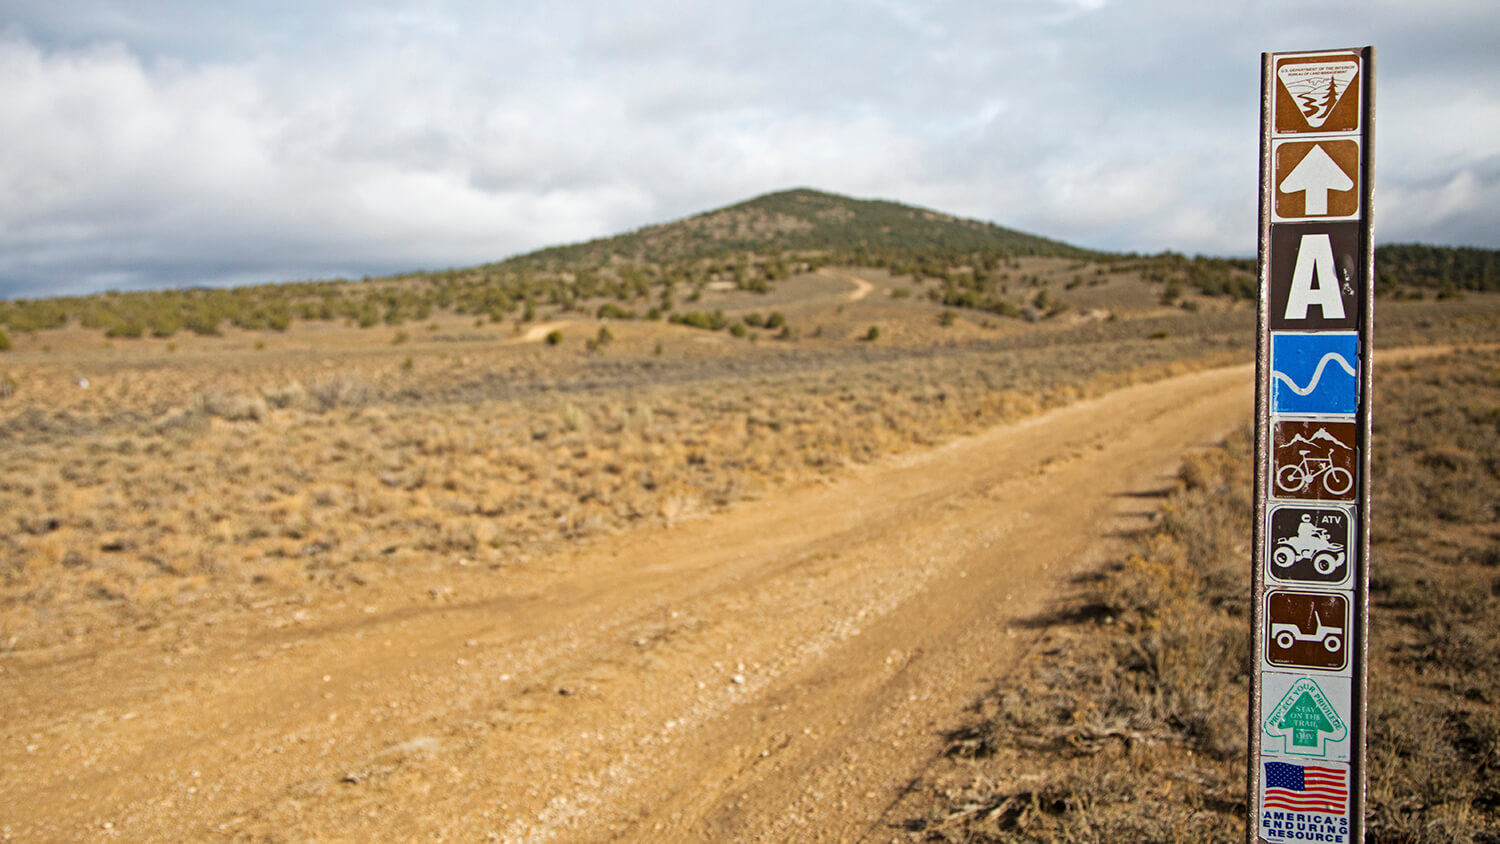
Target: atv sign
{"points": [[1310, 581], [1310, 545]]}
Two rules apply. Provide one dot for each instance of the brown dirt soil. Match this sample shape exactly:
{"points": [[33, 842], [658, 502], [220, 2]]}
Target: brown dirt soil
{"points": [[782, 671]]}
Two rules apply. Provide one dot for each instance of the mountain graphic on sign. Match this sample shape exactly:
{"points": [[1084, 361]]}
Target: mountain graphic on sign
{"points": [[1319, 435], [1317, 87]]}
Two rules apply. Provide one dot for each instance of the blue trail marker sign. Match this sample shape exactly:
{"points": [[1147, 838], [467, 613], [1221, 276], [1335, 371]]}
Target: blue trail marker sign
{"points": [[1308, 704]]}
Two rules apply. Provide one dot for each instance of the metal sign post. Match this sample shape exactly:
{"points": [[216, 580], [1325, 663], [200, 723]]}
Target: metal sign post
{"points": [[1310, 582]]}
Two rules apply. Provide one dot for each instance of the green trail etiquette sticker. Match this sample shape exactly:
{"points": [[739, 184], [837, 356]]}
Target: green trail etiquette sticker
{"points": [[1305, 721]]}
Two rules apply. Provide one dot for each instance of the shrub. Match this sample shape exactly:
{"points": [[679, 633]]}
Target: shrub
{"points": [[554, 337], [4, 341], [202, 323], [775, 320], [339, 391], [165, 324], [291, 395], [610, 310], [715, 321], [126, 328], [946, 318], [604, 338], [234, 408], [738, 330], [1172, 293], [873, 334]]}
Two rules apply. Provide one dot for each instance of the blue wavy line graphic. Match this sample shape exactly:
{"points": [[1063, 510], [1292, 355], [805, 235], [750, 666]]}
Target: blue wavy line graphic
{"points": [[1317, 376]]}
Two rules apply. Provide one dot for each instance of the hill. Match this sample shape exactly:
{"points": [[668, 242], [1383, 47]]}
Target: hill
{"points": [[938, 259], [802, 220]]}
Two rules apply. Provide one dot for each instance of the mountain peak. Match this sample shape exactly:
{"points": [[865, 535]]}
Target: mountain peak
{"points": [[800, 219]]}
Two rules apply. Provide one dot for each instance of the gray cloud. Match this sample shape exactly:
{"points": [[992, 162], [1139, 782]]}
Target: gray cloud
{"points": [[177, 143]]}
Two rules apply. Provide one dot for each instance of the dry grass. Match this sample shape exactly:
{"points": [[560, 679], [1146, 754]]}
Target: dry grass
{"points": [[1128, 723], [240, 498], [216, 477], [1435, 678]]}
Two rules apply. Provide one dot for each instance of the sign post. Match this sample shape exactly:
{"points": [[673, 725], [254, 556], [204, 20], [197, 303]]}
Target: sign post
{"points": [[1310, 581]]}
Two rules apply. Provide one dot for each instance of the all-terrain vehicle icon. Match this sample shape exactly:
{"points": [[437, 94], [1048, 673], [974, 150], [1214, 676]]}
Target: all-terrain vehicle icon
{"points": [[1286, 635], [1310, 543]]}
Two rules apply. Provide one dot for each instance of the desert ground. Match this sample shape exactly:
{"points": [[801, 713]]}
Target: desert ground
{"points": [[457, 581]]}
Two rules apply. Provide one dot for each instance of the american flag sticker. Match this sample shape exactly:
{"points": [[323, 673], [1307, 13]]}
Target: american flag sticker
{"points": [[1304, 802]]}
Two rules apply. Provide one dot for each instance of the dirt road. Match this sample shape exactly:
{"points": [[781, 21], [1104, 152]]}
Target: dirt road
{"points": [[779, 672], [861, 289]]}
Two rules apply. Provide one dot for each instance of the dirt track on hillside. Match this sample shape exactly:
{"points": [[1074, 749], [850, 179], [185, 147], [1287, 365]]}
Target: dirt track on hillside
{"points": [[861, 289], [778, 672]]}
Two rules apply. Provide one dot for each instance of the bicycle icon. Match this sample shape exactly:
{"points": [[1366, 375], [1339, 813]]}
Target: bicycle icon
{"points": [[1294, 479]]}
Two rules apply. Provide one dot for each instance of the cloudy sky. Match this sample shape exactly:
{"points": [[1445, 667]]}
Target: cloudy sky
{"points": [[153, 144]]}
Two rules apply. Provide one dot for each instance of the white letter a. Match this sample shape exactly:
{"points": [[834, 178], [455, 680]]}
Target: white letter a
{"points": [[1314, 281]]}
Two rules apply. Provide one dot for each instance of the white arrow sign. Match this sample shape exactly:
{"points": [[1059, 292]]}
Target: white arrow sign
{"points": [[1317, 174]]}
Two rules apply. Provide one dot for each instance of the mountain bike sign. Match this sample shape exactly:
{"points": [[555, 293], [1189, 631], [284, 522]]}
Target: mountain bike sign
{"points": [[1314, 459], [1310, 582]]}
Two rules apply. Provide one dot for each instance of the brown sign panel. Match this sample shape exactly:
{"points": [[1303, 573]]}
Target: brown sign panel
{"points": [[1307, 630], [1315, 276], [1317, 93], [1317, 178], [1311, 544], [1313, 460]]}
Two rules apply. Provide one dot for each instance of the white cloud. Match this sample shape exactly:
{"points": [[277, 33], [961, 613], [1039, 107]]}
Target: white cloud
{"points": [[166, 145]]}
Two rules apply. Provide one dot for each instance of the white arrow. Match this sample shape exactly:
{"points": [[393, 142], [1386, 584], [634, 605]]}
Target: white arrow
{"points": [[1317, 174]]}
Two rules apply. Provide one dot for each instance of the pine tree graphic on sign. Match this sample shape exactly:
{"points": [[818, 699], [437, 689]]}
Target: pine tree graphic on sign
{"points": [[1306, 721], [1313, 103]]}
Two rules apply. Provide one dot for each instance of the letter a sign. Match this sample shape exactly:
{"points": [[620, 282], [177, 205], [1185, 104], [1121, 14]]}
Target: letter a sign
{"points": [[1316, 272], [1314, 281], [1310, 578]]}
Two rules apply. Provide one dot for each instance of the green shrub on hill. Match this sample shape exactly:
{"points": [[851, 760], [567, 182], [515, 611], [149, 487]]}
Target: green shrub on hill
{"points": [[715, 321]]}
